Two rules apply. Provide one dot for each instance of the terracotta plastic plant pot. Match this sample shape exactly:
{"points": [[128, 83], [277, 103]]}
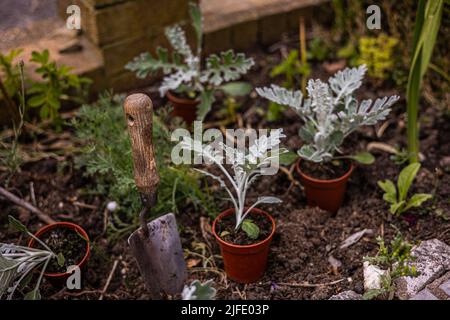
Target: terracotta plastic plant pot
{"points": [[244, 263], [183, 108], [325, 194], [59, 279]]}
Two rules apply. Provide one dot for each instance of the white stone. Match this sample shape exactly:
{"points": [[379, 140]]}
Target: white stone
{"points": [[372, 276], [432, 260]]}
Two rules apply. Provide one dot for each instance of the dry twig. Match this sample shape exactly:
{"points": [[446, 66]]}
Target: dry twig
{"points": [[41, 215]]}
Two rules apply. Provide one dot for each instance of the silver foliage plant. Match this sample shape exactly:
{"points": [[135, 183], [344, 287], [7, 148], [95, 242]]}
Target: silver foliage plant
{"points": [[18, 262], [246, 166], [183, 70], [330, 112]]}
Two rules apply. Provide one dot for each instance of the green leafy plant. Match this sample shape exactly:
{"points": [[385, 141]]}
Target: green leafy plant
{"points": [[199, 291], [428, 20], [184, 73], [290, 68], [398, 196], [331, 113], [18, 262], [377, 53], [106, 157], [397, 260], [57, 81]]}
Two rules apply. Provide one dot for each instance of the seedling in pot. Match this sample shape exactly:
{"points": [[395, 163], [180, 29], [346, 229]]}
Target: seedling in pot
{"points": [[184, 75], [330, 114], [17, 263]]}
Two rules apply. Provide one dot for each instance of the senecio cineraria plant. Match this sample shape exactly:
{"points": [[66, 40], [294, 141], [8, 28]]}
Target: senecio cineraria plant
{"points": [[199, 291], [18, 262], [331, 113], [184, 73], [246, 167]]}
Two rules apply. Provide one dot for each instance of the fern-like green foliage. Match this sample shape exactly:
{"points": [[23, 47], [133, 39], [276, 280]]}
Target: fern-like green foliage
{"points": [[183, 71], [378, 54], [107, 158], [398, 197]]}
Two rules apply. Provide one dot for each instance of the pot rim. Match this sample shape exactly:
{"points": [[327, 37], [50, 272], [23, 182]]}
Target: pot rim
{"points": [[173, 97], [305, 176], [246, 246], [69, 225]]}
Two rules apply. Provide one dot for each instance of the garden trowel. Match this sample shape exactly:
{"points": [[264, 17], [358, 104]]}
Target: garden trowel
{"points": [[155, 245]]}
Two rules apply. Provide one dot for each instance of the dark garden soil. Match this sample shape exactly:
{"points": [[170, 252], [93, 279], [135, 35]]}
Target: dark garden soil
{"points": [[67, 242], [225, 229], [305, 260]]}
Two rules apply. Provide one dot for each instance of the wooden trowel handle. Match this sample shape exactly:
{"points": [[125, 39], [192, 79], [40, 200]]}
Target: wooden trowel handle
{"points": [[138, 110]]}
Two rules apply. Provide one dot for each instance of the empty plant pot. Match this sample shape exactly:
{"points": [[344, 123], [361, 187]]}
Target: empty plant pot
{"points": [[183, 108], [69, 234], [244, 263], [325, 194]]}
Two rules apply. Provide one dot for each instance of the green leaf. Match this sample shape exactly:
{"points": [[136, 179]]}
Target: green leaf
{"points": [[16, 224], [428, 21], [6, 276], [61, 259], [406, 178], [33, 295], [389, 189], [236, 89], [363, 157], [307, 132], [37, 100], [224, 233], [206, 101], [203, 291], [274, 111], [227, 67], [417, 200], [251, 229], [288, 158]]}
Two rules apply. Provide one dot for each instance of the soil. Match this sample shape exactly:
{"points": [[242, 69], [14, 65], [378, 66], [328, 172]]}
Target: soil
{"points": [[239, 237], [305, 248], [325, 171], [183, 95], [68, 242]]}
